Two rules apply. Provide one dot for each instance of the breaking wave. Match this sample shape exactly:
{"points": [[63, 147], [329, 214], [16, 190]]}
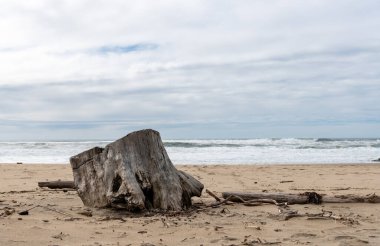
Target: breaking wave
{"points": [[210, 151]]}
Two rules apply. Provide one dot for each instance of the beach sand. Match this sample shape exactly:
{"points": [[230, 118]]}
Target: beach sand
{"points": [[60, 219]]}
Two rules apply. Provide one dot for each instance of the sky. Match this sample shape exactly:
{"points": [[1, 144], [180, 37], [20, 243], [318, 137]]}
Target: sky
{"points": [[78, 69]]}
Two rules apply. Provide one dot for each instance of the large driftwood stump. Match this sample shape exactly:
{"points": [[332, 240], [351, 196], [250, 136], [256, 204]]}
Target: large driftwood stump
{"points": [[134, 173]]}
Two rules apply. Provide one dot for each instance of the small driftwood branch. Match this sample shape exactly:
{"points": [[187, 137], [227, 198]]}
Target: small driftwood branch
{"points": [[26, 212], [256, 202], [59, 184], [213, 195], [287, 213], [302, 198], [252, 202], [221, 202]]}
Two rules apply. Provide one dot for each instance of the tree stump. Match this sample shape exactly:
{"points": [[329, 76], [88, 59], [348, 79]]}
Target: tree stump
{"points": [[133, 173]]}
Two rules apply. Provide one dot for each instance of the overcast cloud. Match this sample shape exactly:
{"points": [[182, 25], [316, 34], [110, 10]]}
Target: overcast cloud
{"points": [[190, 69]]}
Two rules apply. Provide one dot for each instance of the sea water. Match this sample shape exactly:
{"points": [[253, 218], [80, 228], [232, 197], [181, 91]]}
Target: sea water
{"points": [[222, 151]]}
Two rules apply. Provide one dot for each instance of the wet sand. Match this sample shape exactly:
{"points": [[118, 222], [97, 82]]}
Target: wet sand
{"points": [[61, 218]]}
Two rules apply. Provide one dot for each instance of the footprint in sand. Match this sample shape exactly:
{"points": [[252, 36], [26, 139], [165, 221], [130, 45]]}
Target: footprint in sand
{"points": [[350, 241]]}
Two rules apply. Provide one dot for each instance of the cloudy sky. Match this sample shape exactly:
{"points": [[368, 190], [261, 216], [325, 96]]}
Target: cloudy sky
{"points": [[190, 69]]}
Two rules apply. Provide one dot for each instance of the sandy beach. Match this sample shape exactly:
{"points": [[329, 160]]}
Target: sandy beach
{"points": [[61, 218]]}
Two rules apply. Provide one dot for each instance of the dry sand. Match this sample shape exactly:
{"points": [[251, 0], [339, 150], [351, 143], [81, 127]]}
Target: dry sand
{"points": [[60, 222]]}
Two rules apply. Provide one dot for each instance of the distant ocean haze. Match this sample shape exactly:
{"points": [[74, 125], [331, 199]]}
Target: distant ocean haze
{"points": [[226, 151]]}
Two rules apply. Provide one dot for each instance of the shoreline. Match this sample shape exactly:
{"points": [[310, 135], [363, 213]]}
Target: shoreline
{"points": [[226, 225], [228, 164]]}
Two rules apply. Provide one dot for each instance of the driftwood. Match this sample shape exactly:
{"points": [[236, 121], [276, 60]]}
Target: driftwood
{"points": [[302, 198], [233, 198], [285, 212], [26, 212], [59, 184], [213, 195], [133, 173]]}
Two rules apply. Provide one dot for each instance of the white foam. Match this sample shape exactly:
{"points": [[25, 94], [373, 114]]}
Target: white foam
{"points": [[238, 151]]}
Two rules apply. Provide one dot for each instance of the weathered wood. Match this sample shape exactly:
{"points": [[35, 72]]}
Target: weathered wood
{"points": [[134, 173], [301, 198], [371, 198], [59, 184], [213, 195], [278, 197]]}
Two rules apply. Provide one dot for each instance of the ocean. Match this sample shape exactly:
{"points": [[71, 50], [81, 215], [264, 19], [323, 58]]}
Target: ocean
{"points": [[227, 151]]}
